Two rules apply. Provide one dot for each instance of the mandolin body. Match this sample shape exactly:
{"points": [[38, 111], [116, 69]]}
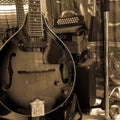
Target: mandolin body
{"points": [[33, 70]]}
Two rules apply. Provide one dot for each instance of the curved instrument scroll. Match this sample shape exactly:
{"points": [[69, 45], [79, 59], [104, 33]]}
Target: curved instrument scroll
{"points": [[42, 69]]}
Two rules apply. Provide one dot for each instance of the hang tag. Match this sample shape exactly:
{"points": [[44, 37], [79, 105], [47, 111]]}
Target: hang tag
{"points": [[37, 108]]}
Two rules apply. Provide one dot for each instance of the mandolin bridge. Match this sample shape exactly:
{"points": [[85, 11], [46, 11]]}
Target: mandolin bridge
{"points": [[42, 44], [35, 71]]}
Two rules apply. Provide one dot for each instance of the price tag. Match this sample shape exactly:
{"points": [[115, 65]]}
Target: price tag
{"points": [[37, 108]]}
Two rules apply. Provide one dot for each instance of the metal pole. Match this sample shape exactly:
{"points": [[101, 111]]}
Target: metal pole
{"points": [[106, 48], [106, 69], [94, 8]]}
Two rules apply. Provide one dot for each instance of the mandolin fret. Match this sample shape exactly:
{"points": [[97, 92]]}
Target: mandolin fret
{"points": [[35, 35], [33, 5], [33, 17], [35, 25], [35, 12], [35, 30]]}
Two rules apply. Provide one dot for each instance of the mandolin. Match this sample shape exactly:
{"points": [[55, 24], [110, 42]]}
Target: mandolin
{"points": [[37, 71]]}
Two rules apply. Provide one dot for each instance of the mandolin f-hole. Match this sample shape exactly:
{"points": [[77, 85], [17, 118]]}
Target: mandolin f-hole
{"points": [[6, 87]]}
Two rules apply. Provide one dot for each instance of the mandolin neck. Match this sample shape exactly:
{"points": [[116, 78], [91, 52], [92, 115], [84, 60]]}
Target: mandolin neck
{"points": [[35, 27]]}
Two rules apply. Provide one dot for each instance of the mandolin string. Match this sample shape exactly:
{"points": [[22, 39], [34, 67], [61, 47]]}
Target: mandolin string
{"points": [[62, 46], [31, 82], [40, 66]]}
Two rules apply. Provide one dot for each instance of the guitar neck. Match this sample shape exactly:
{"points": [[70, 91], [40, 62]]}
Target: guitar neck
{"points": [[20, 12], [35, 26]]}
